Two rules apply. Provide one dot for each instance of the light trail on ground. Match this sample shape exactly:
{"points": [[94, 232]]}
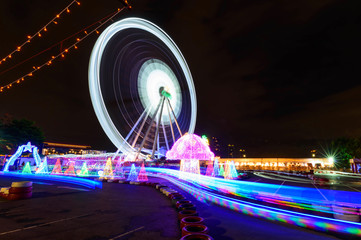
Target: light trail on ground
{"points": [[202, 188]]}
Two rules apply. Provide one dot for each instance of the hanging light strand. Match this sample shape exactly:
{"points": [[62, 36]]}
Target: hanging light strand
{"points": [[62, 53], [62, 41], [40, 32]]}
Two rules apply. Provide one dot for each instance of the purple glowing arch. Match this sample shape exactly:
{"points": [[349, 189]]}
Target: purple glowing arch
{"points": [[190, 147]]}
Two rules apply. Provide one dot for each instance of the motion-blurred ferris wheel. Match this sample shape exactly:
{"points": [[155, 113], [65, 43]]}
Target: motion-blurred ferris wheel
{"points": [[141, 88]]}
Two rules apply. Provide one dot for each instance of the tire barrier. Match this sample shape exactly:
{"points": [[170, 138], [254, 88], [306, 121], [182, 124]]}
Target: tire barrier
{"points": [[194, 229], [191, 220], [198, 236], [186, 213], [180, 202], [186, 206], [18, 190], [21, 184]]}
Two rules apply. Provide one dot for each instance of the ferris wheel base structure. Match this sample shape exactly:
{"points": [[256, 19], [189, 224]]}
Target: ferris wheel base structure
{"points": [[141, 88]]}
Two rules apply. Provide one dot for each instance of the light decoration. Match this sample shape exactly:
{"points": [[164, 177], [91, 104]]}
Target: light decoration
{"points": [[57, 168], [84, 170], [271, 213], [26, 169], [108, 170], [43, 168], [23, 148], [58, 178], [38, 33], [133, 176], [221, 170], [230, 171], [70, 171], [142, 176], [205, 139], [190, 148], [210, 170], [61, 54], [215, 168], [119, 169]]}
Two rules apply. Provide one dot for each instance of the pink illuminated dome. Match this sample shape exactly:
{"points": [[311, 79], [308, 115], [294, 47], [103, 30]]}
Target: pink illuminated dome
{"points": [[190, 147]]}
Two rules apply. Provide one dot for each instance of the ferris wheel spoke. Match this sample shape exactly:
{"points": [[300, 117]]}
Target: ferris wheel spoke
{"points": [[165, 136], [156, 136], [175, 118], [145, 112], [170, 123]]}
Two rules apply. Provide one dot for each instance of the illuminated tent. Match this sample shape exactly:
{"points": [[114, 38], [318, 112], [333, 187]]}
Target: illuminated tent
{"points": [[190, 147]]}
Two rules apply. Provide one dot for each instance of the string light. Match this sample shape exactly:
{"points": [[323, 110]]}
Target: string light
{"points": [[30, 37], [62, 54]]}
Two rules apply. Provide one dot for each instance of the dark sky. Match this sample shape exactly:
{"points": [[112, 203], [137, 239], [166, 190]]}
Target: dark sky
{"points": [[273, 77]]}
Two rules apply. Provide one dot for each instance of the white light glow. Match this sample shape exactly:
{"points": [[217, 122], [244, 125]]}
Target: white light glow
{"points": [[154, 75]]}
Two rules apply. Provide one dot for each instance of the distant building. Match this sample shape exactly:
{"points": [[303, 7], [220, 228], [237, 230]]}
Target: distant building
{"points": [[230, 150], [280, 164], [215, 146], [61, 148], [313, 153], [242, 153]]}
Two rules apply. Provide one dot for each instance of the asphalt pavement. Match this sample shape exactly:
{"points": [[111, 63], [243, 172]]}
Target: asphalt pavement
{"points": [[60, 211]]}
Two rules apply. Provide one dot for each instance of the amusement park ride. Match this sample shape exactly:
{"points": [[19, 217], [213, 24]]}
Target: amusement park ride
{"points": [[141, 88]]}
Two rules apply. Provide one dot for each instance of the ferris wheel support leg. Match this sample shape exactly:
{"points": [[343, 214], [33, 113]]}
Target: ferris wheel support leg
{"points": [[165, 136], [157, 129], [171, 124], [175, 119], [141, 127], [115, 154], [148, 130]]}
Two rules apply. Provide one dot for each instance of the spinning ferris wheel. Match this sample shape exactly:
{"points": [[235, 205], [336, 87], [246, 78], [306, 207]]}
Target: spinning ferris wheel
{"points": [[141, 88]]}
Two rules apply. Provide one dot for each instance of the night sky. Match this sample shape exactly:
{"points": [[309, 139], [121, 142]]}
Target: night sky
{"points": [[277, 78]]}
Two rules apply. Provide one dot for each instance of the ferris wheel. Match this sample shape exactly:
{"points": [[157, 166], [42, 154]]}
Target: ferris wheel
{"points": [[141, 88]]}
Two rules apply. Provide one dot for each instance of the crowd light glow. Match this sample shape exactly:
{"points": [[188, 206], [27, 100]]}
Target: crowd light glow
{"points": [[257, 210]]}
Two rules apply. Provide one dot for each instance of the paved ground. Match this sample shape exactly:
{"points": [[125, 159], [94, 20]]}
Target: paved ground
{"points": [[118, 211], [122, 211]]}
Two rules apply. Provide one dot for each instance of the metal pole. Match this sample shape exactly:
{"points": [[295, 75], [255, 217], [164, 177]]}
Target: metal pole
{"points": [[140, 130], [175, 119], [136, 124], [157, 129], [148, 130], [171, 124], [165, 136]]}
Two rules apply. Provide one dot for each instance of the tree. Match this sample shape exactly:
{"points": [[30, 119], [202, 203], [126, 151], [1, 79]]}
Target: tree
{"points": [[346, 149], [14, 133]]}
